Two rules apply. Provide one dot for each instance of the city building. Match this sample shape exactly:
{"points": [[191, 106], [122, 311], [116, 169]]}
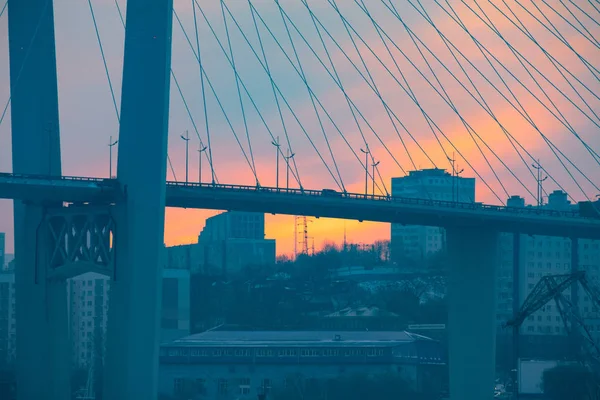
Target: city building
{"points": [[413, 245], [175, 312], [88, 296], [543, 333], [240, 364], [2, 250], [88, 307], [7, 319], [233, 240]]}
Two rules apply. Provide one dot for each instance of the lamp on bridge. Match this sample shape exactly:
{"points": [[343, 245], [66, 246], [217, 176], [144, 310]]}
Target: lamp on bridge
{"points": [[287, 172], [111, 144], [375, 164], [201, 150], [367, 152], [277, 145], [186, 138]]}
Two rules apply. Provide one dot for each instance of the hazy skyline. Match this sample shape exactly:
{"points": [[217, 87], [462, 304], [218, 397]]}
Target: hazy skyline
{"points": [[88, 118]]}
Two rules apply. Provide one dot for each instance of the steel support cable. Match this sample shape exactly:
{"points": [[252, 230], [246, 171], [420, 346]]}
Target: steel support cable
{"points": [[530, 35], [377, 92], [564, 120], [312, 100], [239, 93], [412, 94], [592, 40], [487, 106], [237, 139], [187, 108], [339, 81], [392, 75], [250, 97], [548, 141], [449, 101], [593, 5], [578, 20], [552, 147], [302, 77], [268, 70], [203, 90], [309, 88], [3, 8], [467, 126], [111, 88], [584, 12], [398, 82], [329, 73], [590, 91], [340, 84], [27, 52], [521, 58], [110, 85], [363, 77]]}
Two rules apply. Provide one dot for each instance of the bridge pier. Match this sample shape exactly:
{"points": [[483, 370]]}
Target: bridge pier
{"points": [[135, 292], [43, 351], [472, 312]]}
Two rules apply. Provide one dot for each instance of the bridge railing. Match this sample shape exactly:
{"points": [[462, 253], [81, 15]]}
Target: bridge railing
{"points": [[320, 193], [394, 199]]}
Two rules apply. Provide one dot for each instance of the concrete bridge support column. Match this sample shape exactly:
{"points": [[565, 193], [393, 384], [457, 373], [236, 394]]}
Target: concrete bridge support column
{"points": [[472, 312], [43, 351], [135, 292]]}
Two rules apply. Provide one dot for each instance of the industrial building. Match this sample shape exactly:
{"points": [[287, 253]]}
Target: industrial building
{"points": [[240, 364]]}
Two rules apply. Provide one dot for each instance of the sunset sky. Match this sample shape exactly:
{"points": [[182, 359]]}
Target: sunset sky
{"points": [[570, 36]]}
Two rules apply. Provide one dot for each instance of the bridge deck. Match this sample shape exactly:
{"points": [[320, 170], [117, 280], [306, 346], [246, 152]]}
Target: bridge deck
{"points": [[316, 203]]}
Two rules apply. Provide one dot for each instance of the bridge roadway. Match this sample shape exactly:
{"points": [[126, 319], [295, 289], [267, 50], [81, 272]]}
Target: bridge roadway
{"points": [[318, 203]]}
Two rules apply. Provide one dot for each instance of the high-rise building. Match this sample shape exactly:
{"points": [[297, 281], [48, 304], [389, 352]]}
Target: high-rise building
{"points": [[537, 256], [88, 306], [175, 311], [232, 240], [413, 244], [2, 250], [7, 318]]}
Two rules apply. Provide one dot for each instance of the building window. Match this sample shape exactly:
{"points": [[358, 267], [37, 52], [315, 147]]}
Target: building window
{"points": [[178, 385], [201, 386], [222, 386]]}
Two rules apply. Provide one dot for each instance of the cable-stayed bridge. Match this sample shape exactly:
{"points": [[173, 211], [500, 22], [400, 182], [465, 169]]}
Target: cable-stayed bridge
{"points": [[332, 89]]}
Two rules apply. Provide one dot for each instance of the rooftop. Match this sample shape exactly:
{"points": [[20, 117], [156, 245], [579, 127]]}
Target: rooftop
{"points": [[298, 338]]}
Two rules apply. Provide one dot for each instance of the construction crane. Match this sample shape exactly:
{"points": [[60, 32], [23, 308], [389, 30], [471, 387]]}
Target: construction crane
{"points": [[551, 287]]}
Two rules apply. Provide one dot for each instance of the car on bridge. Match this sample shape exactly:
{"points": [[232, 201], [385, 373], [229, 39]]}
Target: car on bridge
{"points": [[330, 193]]}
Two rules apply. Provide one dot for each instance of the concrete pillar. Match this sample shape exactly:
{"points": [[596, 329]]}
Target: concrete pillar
{"points": [[60, 350], [472, 312], [35, 150], [135, 293]]}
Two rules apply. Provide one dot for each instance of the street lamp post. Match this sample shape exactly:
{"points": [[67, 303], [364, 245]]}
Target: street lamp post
{"points": [[375, 164], [287, 172], [200, 151], [111, 144], [277, 145], [458, 184], [367, 152], [186, 138], [540, 188]]}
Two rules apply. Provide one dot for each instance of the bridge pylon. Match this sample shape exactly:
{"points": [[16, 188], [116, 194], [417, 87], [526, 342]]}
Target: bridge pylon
{"points": [[472, 312], [54, 243], [134, 312], [43, 347]]}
